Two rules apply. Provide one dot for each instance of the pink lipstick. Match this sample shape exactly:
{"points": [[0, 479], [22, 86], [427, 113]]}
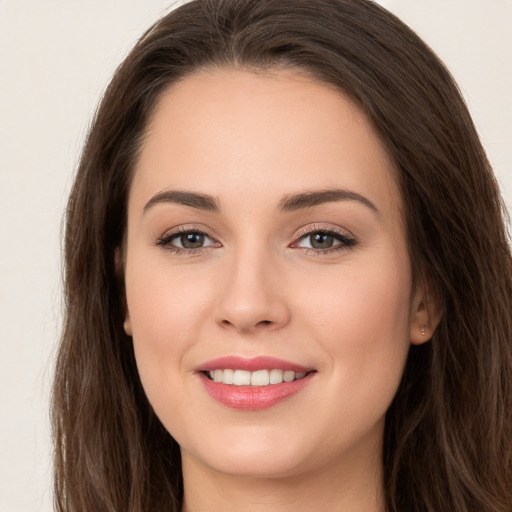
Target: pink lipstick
{"points": [[254, 383]]}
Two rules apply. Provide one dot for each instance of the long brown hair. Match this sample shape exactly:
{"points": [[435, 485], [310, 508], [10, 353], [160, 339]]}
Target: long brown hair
{"points": [[449, 430]]}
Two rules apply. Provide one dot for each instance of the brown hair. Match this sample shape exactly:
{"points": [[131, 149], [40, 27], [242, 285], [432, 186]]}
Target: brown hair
{"points": [[448, 432]]}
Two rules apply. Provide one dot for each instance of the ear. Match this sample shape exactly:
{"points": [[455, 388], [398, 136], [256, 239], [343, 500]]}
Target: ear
{"points": [[119, 262], [426, 312]]}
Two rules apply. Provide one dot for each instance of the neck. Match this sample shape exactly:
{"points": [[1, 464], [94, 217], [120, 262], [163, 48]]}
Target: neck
{"points": [[351, 486]]}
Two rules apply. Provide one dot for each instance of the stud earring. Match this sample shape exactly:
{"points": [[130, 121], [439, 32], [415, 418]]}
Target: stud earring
{"points": [[423, 330]]}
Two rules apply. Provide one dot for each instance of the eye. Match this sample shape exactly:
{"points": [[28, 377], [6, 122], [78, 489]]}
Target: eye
{"points": [[191, 240], [186, 240], [322, 240]]}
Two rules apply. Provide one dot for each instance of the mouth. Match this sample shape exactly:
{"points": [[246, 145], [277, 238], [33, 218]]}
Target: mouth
{"points": [[254, 383], [269, 377]]}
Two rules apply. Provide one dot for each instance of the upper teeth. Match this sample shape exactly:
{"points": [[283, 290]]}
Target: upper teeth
{"points": [[257, 378]]}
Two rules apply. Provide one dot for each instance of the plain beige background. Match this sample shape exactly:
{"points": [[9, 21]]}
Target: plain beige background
{"points": [[56, 57]]}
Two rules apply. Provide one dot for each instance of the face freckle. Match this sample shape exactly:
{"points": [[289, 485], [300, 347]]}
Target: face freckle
{"points": [[264, 221]]}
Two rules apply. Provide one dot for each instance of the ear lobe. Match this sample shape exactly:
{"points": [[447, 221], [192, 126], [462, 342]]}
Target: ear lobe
{"points": [[119, 263], [127, 324], [426, 312]]}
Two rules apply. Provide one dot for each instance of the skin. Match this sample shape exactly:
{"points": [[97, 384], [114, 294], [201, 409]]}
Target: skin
{"points": [[250, 140]]}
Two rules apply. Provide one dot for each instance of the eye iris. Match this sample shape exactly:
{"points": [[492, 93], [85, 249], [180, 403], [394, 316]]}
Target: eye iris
{"points": [[321, 241], [192, 240]]}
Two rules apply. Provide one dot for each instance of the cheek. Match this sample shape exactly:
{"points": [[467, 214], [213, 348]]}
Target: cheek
{"points": [[166, 309], [362, 322], [163, 301], [166, 312], [362, 325]]}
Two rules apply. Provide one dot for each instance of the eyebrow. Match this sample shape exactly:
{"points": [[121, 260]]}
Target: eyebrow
{"points": [[289, 203], [314, 198], [192, 199]]}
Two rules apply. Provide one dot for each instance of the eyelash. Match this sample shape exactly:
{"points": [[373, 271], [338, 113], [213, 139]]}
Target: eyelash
{"points": [[346, 241], [165, 241]]}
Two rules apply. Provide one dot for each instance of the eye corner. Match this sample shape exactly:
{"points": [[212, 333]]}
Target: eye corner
{"points": [[334, 240]]}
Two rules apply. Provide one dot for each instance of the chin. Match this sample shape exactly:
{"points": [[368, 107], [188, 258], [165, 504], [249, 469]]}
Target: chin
{"points": [[252, 454]]}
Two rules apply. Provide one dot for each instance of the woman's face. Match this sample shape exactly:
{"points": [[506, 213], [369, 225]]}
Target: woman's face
{"points": [[265, 240]]}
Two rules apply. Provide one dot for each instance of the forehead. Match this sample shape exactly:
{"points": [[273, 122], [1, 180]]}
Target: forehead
{"points": [[240, 134]]}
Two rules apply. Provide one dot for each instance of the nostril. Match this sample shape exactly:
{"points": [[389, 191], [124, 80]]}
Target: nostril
{"points": [[264, 322]]}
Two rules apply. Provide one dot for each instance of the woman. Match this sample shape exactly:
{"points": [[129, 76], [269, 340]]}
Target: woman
{"points": [[288, 279]]}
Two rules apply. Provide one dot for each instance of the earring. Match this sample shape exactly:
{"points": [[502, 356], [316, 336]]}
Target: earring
{"points": [[423, 330]]}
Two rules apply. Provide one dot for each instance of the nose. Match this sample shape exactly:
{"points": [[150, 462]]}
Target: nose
{"points": [[252, 295]]}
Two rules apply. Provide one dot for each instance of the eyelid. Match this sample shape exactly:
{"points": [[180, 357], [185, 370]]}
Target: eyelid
{"points": [[324, 228], [164, 240], [346, 238]]}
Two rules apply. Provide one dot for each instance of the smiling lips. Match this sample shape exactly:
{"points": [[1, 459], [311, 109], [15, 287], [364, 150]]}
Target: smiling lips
{"points": [[253, 384]]}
